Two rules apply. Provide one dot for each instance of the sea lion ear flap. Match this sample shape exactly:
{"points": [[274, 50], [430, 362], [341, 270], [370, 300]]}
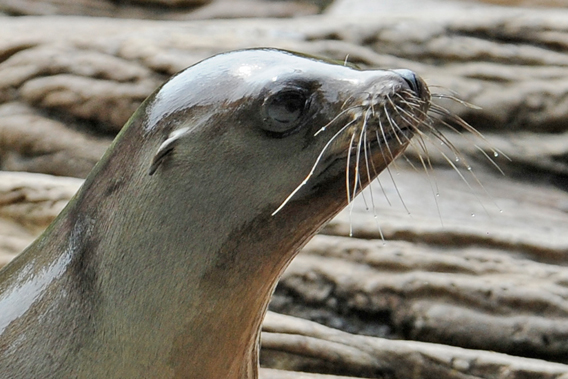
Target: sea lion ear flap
{"points": [[166, 148]]}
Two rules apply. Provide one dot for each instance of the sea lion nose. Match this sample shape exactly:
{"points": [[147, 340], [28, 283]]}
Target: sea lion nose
{"points": [[413, 81]]}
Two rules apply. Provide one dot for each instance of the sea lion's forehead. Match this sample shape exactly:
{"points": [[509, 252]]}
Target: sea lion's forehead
{"points": [[231, 76]]}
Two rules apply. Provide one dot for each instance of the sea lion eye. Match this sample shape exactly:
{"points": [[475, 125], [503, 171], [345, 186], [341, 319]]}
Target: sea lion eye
{"points": [[284, 110]]}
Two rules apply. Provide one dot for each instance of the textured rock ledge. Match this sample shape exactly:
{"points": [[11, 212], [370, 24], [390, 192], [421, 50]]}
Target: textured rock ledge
{"points": [[447, 285], [57, 72]]}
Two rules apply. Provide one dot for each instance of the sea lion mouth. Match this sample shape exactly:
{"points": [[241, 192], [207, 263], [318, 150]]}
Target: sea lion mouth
{"points": [[376, 144], [403, 133]]}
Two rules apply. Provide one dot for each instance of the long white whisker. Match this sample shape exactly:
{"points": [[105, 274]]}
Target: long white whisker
{"points": [[303, 183], [347, 184]]}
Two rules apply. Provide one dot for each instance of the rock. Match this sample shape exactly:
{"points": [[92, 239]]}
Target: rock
{"points": [[28, 204], [91, 75], [303, 344], [482, 270], [164, 9], [45, 145]]}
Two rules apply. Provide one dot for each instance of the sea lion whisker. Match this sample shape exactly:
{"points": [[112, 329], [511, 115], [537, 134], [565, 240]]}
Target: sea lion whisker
{"points": [[413, 123], [428, 124], [366, 146], [452, 96], [356, 104], [420, 135], [420, 147], [365, 156], [348, 170], [408, 161], [444, 112], [428, 168], [394, 164], [343, 112], [410, 99], [441, 111], [392, 123], [401, 131], [490, 159], [426, 136], [471, 171], [476, 146], [367, 159], [363, 144], [375, 170], [496, 152], [456, 169], [397, 190], [384, 138], [437, 109], [348, 100], [313, 169], [358, 152], [440, 137], [348, 185], [445, 141], [456, 99]]}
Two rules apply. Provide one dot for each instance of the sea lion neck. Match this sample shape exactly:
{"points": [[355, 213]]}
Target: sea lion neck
{"points": [[211, 294], [213, 290]]}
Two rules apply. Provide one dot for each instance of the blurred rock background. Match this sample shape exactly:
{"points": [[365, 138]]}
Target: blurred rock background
{"points": [[444, 271]]}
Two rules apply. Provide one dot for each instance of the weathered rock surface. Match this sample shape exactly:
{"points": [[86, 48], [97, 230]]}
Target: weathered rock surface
{"points": [[163, 9], [28, 204], [444, 277], [284, 338], [478, 268], [91, 75]]}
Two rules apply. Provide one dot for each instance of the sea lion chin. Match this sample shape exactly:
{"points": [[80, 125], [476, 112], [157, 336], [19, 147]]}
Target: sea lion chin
{"points": [[163, 264]]}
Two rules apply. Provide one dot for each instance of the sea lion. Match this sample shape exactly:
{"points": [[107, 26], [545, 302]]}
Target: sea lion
{"points": [[163, 263]]}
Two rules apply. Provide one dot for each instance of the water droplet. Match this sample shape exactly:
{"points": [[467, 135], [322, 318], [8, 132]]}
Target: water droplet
{"points": [[495, 154], [500, 211], [437, 194], [487, 233], [469, 168], [473, 215], [457, 159]]}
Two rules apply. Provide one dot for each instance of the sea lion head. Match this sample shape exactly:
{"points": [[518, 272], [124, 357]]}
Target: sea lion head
{"points": [[273, 123]]}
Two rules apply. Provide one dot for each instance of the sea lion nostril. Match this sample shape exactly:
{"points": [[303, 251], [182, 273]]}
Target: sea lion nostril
{"points": [[410, 78]]}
